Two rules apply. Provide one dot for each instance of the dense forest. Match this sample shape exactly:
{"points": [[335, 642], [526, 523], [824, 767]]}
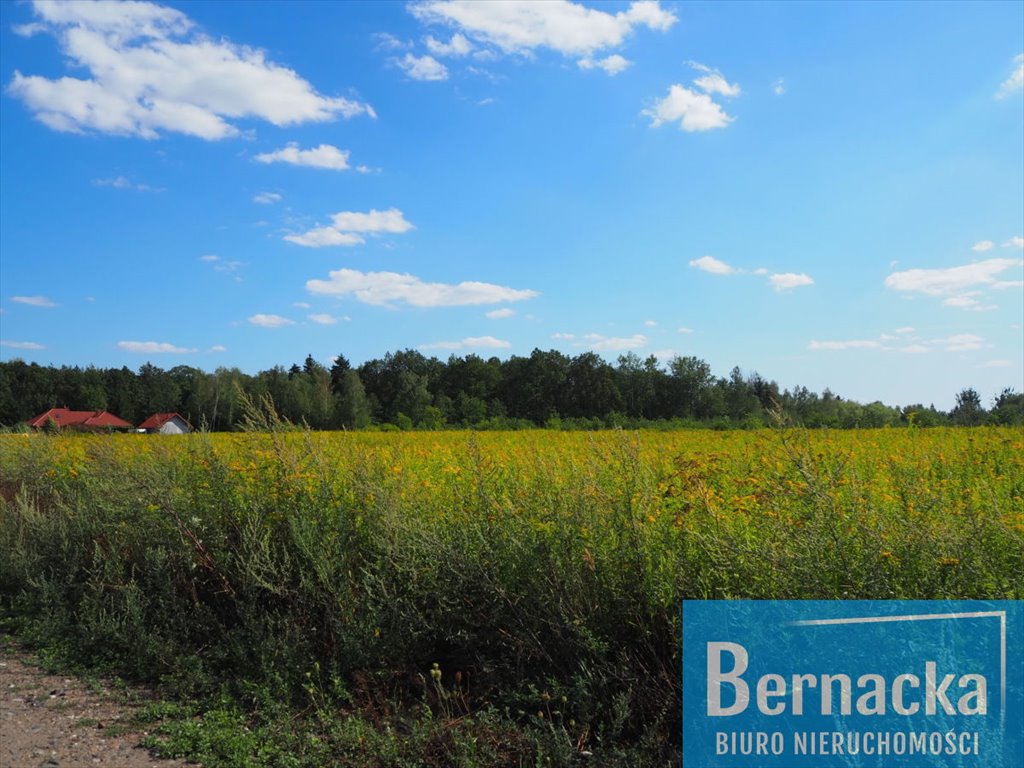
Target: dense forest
{"points": [[409, 390]]}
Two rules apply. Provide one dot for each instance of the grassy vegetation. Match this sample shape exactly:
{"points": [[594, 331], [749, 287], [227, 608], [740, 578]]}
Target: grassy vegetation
{"points": [[436, 599]]}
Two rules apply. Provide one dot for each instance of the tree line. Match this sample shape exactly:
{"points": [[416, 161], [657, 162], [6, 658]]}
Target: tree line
{"points": [[408, 390]]}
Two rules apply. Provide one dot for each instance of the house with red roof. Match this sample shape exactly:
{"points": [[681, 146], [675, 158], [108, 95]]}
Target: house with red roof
{"points": [[86, 421], [166, 424]]}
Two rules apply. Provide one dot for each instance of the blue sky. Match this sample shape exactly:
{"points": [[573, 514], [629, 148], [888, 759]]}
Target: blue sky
{"points": [[830, 194]]}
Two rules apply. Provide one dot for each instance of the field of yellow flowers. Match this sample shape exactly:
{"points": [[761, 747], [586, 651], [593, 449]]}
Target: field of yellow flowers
{"points": [[518, 593]]}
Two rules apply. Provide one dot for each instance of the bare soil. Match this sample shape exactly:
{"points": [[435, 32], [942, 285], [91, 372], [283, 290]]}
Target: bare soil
{"points": [[56, 721]]}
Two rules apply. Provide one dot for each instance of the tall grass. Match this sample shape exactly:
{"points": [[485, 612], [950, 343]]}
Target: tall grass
{"points": [[473, 598]]}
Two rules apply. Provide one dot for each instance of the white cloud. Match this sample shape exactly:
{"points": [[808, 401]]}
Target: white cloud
{"points": [[779, 87], [1001, 285], [266, 198], [425, 67], [221, 265], [612, 65], [520, 26], [904, 329], [1015, 82], [941, 282], [321, 236], [323, 319], [301, 304], [616, 344], [983, 245], [499, 314], [996, 364], [123, 182], [1014, 242], [374, 221], [713, 81], [967, 301], [961, 342], [29, 345], [34, 301], [218, 348], [323, 156], [349, 228], [694, 111], [650, 323], [843, 345], [388, 42], [685, 330], [563, 336], [386, 288], [150, 71], [760, 271], [712, 265], [152, 347], [270, 321], [787, 280], [472, 342], [459, 45]]}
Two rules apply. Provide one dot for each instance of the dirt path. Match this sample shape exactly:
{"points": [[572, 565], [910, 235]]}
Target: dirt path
{"points": [[53, 721]]}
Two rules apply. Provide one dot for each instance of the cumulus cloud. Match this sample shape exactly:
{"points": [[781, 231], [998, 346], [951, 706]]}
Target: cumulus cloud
{"points": [[961, 342], [218, 348], [152, 347], [222, 265], [522, 26], [351, 228], [950, 280], [712, 265], [983, 245], [844, 345], [266, 198], [425, 67], [996, 364], [563, 336], [270, 321], [694, 111], [1014, 242], [323, 319], [27, 345], [123, 182], [323, 156], [684, 330], [385, 41], [459, 45], [472, 342], [616, 343], [34, 301], [388, 288], [612, 65], [779, 87], [150, 72], [500, 314], [713, 81], [1015, 82], [967, 301], [788, 280]]}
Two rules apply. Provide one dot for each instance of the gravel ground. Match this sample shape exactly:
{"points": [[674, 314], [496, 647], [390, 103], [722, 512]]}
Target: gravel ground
{"points": [[53, 721]]}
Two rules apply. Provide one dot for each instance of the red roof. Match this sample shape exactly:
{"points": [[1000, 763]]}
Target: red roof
{"points": [[157, 420], [64, 417]]}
